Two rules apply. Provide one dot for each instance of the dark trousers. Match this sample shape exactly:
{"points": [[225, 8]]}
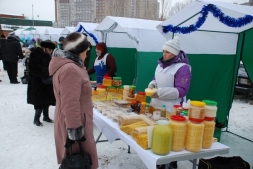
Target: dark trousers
{"points": [[4, 65], [12, 70]]}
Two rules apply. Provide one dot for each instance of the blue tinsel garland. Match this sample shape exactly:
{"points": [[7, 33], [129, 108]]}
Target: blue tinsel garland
{"points": [[81, 28], [217, 13]]}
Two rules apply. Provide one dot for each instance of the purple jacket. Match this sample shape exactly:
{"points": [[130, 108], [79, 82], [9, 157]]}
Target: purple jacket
{"points": [[183, 75]]}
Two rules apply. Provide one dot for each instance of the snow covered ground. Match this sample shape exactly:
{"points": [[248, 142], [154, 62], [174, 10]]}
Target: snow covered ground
{"points": [[25, 146]]}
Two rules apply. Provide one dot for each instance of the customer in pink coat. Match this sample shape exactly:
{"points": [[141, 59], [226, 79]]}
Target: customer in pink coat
{"points": [[73, 114]]}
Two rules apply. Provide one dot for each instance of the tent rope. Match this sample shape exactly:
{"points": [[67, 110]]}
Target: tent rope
{"points": [[81, 29], [217, 13]]}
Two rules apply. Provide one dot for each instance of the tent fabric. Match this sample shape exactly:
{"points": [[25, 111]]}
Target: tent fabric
{"points": [[138, 33], [214, 52], [89, 27], [67, 30], [188, 16]]}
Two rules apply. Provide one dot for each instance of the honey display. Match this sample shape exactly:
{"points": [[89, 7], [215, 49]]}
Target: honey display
{"points": [[175, 109], [120, 90], [210, 108], [143, 108], [131, 92], [194, 136], [161, 138], [107, 81], [117, 82], [208, 133], [99, 94], [101, 89], [196, 110], [141, 97], [112, 94], [178, 127]]}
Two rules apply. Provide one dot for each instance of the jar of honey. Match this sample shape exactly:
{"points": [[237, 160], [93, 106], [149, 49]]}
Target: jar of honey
{"points": [[107, 81], [143, 107], [210, 108], [178, 126], [111, 89], [194, 135], [101, 89], [208, 132], [196, 110], [141, 97], [131, 92], [161, 138], [120, 90], [116, 81]]}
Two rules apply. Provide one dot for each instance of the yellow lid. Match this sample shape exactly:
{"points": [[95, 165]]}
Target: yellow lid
{"points": [[143, 103], [198, 103]]}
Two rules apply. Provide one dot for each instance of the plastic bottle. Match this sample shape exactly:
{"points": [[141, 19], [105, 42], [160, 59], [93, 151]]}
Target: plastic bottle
{"points": [[178, 126], [194, 135], [161, 138], [208, 132], [210, 108], [163, 111], [157, 114]]}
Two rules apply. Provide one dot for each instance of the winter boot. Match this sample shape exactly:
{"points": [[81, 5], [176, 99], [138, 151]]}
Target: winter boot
{"points": [[46, 117], [37, 117]]}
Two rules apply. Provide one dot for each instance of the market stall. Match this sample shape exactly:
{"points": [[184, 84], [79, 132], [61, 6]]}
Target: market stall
{"points": [[67, 30], [134, 43], [216, 36]]}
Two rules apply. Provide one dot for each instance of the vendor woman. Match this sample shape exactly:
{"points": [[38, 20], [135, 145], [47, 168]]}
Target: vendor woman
{"points": [[172, 78], [104, 64]]}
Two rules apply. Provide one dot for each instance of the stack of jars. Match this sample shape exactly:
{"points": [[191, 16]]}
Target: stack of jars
{"points": [[195, 126], [210, 114]]}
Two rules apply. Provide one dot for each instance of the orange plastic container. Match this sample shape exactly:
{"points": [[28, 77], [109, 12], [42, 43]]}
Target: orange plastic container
{"points": [[141, 97], [178, 126], [194, 135], [208, 133], [107, 81]]}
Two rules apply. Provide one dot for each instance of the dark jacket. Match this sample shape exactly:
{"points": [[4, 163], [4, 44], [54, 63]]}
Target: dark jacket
{"points": [[39, 93], [12, 50], [2, 41]]}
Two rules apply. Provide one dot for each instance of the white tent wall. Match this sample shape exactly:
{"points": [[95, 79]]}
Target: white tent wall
{"points": [[203, 42], [53, 33], [67, 30]]}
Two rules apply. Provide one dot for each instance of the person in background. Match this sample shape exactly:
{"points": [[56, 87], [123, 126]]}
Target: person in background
{"points": [[12, 52], [172, 79], [73, 113], [104, 64], [39, 94], [60, 45], [2, 41]]}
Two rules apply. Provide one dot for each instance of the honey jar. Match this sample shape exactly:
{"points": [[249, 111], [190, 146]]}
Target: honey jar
{"points": [[107, 81], [116, 81]]}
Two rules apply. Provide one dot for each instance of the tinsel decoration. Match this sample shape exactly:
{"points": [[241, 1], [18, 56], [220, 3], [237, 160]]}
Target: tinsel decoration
{"points": [[217, 13], [81, 29]]}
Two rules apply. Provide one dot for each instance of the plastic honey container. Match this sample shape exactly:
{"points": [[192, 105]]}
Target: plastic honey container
{"points": [[194, 135], [175, 108], [141, 97], [101, 89], [120, 90], [196, 110], [116, 81], [208, 133], [161, 138], [210, 108], [107, 81], [131, 92], [178, 126], [111, 89]]}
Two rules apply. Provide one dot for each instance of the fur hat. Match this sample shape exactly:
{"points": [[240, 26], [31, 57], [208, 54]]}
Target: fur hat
{"points": [[47, 44], [172, 46]]}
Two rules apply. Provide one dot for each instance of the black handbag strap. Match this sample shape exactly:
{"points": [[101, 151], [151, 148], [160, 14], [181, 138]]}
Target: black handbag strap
{"points": [[80, 149]]}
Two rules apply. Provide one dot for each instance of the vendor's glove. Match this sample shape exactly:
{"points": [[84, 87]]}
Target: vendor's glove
{"points": [[155, 95], [152, 84]]}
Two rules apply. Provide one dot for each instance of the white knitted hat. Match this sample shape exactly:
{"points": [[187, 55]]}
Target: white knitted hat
{"points": [[172, 46]]}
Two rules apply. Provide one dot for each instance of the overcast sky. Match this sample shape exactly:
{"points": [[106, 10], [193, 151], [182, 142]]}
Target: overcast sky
{"points": [[45, 8]]}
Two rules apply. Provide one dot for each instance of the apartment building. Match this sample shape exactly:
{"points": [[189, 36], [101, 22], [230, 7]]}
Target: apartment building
{"points": [[70, 12]]}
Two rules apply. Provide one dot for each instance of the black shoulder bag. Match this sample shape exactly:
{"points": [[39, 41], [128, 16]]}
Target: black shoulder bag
{"points": [[80, 160]]}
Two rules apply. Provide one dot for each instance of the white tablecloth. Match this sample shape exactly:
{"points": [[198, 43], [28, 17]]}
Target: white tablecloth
{"points": [[112, 131]]}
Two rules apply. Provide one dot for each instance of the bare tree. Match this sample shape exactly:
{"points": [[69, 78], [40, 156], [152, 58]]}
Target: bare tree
{"points": [[165, 9]]}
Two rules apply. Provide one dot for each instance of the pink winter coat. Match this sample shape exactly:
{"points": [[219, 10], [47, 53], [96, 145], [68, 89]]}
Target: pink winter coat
{"points": [[72, 91]]}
